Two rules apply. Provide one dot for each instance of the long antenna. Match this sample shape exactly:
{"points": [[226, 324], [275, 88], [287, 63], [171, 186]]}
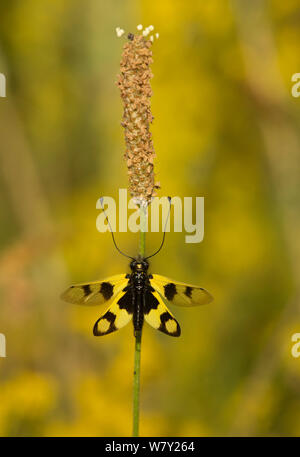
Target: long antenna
{"points": [[164, 235], [112, 234]]}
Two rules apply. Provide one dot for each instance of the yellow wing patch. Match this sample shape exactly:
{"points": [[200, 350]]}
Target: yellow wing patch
{"points": [[179, 293], [158, 316], [95, 293], [117, 315]]}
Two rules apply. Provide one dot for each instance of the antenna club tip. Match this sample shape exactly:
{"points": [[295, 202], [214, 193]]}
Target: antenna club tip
{"points": [[169, 198]]}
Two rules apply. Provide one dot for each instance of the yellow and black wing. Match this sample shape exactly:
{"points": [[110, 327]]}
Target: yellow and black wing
{"points": [[179, 293], [95, 293], [118, 314], [157, 314]]}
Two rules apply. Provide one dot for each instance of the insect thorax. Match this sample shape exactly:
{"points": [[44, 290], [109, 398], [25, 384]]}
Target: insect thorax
{"points": [[139, 280], [139, 277]]}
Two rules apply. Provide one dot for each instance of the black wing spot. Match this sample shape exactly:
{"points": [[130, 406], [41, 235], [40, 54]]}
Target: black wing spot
{"points": [[107, 290], [86, 290], [170, 291], [127, 302], [188, 291], [164, 317], [150, 302], [111, 317]]}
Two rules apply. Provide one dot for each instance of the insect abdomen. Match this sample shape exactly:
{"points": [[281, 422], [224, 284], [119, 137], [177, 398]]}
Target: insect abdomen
{"points": [[138, 316]]}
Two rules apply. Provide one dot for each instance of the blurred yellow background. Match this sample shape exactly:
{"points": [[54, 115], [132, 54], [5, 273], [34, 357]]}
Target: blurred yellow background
{"points": [[227, 128]]}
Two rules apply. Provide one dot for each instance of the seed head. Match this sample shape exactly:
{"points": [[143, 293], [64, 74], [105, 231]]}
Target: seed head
{"points": [[134, 84]]}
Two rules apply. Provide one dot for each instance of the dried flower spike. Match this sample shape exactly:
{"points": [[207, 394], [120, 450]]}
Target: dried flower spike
{"points": [[134, 84]]}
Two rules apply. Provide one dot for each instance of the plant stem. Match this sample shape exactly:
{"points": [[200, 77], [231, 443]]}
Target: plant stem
{"points": [[138, 337], [143, 215], [136, 383]]}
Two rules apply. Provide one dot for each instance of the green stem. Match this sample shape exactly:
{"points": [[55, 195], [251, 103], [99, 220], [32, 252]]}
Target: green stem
{"points": [[143, 214], [136, 383], [138, 338]]}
